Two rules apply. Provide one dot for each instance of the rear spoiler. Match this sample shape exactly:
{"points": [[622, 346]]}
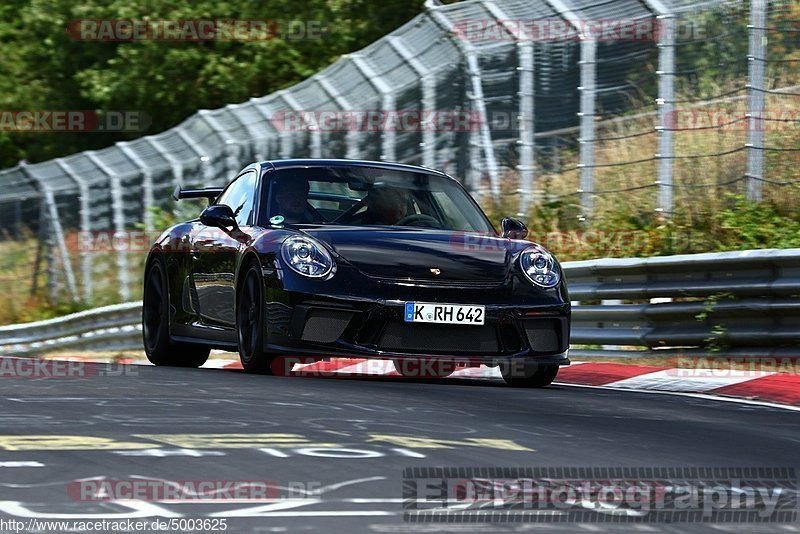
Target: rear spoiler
{"points": [[210, 193]]}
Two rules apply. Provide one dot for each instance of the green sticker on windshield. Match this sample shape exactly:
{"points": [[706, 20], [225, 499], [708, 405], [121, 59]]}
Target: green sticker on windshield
{"points": [[276, 220]]}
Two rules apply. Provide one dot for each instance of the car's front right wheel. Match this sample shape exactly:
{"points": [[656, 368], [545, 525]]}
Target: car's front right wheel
{"points": [[528, 374]]}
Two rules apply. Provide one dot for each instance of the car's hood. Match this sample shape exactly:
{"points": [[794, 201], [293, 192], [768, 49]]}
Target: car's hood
{"points": [[417, 253]]}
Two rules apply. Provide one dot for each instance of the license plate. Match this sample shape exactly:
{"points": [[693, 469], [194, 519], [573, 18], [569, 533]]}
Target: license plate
{"points": [[428, 312]]}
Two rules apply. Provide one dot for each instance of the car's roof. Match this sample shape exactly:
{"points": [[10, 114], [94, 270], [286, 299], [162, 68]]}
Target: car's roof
{"points": [[287, 163]]}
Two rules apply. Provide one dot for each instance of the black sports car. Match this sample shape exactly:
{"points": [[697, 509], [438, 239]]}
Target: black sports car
{"points": [[314, 259]]}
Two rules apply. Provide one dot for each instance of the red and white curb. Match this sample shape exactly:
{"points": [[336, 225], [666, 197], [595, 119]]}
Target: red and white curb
{"points": [[748, 385]]}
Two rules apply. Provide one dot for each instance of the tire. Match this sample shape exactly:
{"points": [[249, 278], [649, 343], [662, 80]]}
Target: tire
{"points": [[158, 347], [529, 375], [250, 322], [410, 368]]}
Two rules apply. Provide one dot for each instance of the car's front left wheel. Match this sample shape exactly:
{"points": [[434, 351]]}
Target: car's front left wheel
{"points": [[250, 322], [158, 347]]}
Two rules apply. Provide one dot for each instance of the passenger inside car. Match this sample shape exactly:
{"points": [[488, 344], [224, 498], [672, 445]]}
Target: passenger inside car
{"points": [[291, 202], [384, 206]]}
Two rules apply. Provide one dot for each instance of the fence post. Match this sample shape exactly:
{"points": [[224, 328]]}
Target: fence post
{"points": [[313, 128], [527, 162], [755, 87], [525, 116], [177, 166], [257, 141], [388, 135], [147, 184], [233, 160], [233, 149], [665, 30], [666, 106], [428, 83], [588, 89], [86, 228], [46, 224], [18, 219], [352, 135], [118, 210], [55, 244], [476, 97]]}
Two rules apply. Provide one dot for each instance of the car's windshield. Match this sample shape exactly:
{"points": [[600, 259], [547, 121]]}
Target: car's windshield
{"points": [[366, 196]]}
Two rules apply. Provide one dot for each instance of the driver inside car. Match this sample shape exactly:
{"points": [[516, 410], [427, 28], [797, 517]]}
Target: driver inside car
{"points": [[291, 199]]}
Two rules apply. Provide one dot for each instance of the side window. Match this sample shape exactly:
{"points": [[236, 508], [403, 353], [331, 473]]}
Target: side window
{"points": [[240, 196]]}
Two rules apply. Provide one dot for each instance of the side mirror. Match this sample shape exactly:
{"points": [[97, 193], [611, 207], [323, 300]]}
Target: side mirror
{"points": [[219, 215], [514, 228]]}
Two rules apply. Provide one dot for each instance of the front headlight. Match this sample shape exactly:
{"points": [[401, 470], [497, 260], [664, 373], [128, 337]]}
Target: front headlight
{"points": [[307, 257], [540, 267]]}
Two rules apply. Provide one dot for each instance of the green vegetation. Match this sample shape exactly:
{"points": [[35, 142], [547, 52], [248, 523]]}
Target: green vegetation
{"points": [[43, 68]]}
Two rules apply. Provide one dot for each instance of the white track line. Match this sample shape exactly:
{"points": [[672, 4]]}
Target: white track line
{"points": [[705, 396]]}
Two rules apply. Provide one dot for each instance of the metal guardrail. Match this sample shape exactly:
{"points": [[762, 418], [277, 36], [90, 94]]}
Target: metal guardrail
{"points": [[738, 303], [743, 303], [116, 327]]}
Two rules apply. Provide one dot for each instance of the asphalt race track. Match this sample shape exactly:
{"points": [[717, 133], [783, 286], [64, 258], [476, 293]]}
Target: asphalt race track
{"points": [[338, 446]]}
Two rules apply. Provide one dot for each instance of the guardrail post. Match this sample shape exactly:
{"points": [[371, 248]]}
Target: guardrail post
{"points": [[611, 302], [755, 87]]}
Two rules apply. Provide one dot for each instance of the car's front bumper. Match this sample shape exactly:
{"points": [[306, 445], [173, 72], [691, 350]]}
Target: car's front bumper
{"points": [[517, 325]]}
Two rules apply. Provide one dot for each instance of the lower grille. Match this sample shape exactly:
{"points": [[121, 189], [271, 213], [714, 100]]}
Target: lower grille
{"points": [[544, 335], [409, 337], [325, 326]]}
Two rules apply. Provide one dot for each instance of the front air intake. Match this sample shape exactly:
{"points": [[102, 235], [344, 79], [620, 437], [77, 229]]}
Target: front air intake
{"points": [[410, 337], [325, 326], [544, 335]]}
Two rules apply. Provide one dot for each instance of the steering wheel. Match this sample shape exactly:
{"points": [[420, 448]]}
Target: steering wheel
{"points": [[419, 219], [348, 214]]}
